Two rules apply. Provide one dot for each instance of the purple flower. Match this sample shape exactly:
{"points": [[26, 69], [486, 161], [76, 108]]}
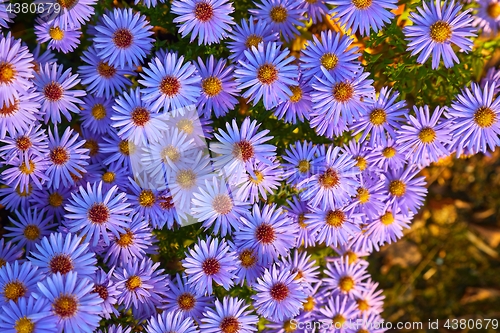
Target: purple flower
{"points": [[71, 14], [170, 322], [249, 265], [298, 212], [230, 315], [305, 267], [388, 156], [345, 278], [388, 226], [24, 174], [105, 287], [370, 195], [17, 281], [301, 162], [62, 38], [27, 313], [339, 310], [298, 105], [29, 227], [262, 179], [9, 252], [404, 189], [370, 300], [52, 201], [24, 144], [487, 17], [20, 114]]}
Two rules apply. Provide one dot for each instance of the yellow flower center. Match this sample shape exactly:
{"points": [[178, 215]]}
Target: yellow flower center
{"points": [[123, 38], [267, 74], [222, 204], [493, 10], [363, 195], [309, 304], [23, 143], [387, 218], [361, 163], [67, 3], [140, 116], [351, 257], [302, 221], [363, 305], [31, 232], [92, 146], [440, 31], [378, 117], [24, 325], [247, 258], [427, 135], [338, 320], [329, 60], [335, 218], [133, 283], [212, 86], [126, 147], [304, 166], [170, 86], [186, 301], [296, 94], [56, 33], [329, 179], [253, 41], [7, 72], [55, 199], [170, 152], [288, 327], [186, 126], [186, 178], [65, 306], [278, 14], [25, 170], [146, 198], [388, 152], [259, 177], [98, 111], [343, 92], [108, 177], [485, 117], [362, 4], [397, 188], [203, 11], [106, 70], [346, 283], [13, 290], [126, 239]]}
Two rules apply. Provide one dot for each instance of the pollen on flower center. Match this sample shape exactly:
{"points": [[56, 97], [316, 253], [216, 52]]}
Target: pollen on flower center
{"points": [[362, 305], [361, 163], [351, 257], [279, 291], [296, 94], [247, 258], [186, 178], [140, 116], [92, 146], [126, 239], [9, 110], [329, 60], [105, 70], [343, 92], [212, 86], [170, 86], [123, 38], [108, 177], [362, 330], [397, 188], [55, 199], [378, 117], [65, 306], [259, 177], [309, 304], [59, 155], [170, 152], [133, 283], [304, 166], [53, 91], [363, 195], [68, 4], [229, 325], [362, 4], [278, 14], [265, 233], [14, 289], [329, 179], [210, 266], [387, 218], [427, 135], [56, 33], [98, 213], [7, 72], [267, 73], [288, 327], [61, 263], [27, 170], [24, 325], [222, 204], [126, 147], [440, 31], [146, 198], [101, 290], [243, 150], [493, 10], [186, 301], [98, 111], [346, 283], [302, 221], [485, 117], [203, 11], [389, 152], [253, 40], [335, 218], [31, 232], [338, 320], [186, 126]]}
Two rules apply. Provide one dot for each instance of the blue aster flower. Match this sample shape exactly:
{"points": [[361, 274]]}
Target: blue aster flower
{"points": [[20, 114], [27, 314], [363, 14], [229, 315], [149, 3], [278, 296], [475, 119], [170, 322], [52, 201], [370, 300], [249, 33], [388, 226], [266, 72], [261, 180], [124, 38], [170, 83], [104, 287], [218, 88], [12, 197], [249, 265], [300, 163], [56, 94], [5, 16], [346, 278], [74, 307], [101, 78], [114, 174], [268, 231], [24, 144], [17, 281], [63, 254], [23, 174], [72, 14], [315, 10], [405, 189], [339, 311], [210, 261], [487, 17], [115, 329], [371, 196], [9, 252], [360, 152], [41, 58], [62, 38], [67, 157], [96, 114], [388, 156], [283, 16], [333, 53], [435, 28], [30, 226], [305, 267], [298, 212], [298, 105], [117, 150], [209, 20]]}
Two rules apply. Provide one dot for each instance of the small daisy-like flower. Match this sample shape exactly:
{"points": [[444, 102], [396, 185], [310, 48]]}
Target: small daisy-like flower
{"points": [[59, 254], [27, 315], [335, 182], [388, 226], [262, 179], [279, 295], [170, 83], [170, 322], [9, 252], [368, 324], [370, 300], [17, 281], [268, 231], [29, 228], [230, 315], [360, 151], [435, 28], [405, 190], [41, 58], [381, 119], [492, 77], [267, 72], [136, 120], [56, 94], [363, 14], [283, 16], [238, 148], [305, 267], [301, 162], [298, 105], [210, 261], [487, 17], [74, 307], [93, 215], [106, 289], [23, 174], [12, 197], [425, 138], [16, 69], [249, 33], [124, 38], [218, 89], [249, 266], [184, 299], [475, 116], [51, 200], [345, 278], [101, 78], [333, 53], [118, 151], [370, 195], [214, 204], [388, 156], [114, 174], [60, 37], [338, 312], [67, 158], [25, 144], [72, 13], [298, 212], [209, 20], [5, 16], [96, 114], [17, 116]]}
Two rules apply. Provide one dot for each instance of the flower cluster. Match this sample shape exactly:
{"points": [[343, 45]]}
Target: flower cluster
{"points": [[98, 162]]}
